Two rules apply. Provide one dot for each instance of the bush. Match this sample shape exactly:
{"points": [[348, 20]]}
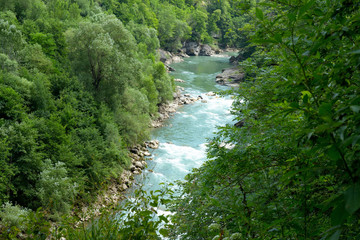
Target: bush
{"points": [[13, 216], [55, 190]]}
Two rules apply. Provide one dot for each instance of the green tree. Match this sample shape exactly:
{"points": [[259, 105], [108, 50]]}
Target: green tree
{"points": [[103, 55], [56, 191], [289, 168]]}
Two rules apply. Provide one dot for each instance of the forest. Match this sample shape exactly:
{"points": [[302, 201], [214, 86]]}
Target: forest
{"points": [[81, 80]]}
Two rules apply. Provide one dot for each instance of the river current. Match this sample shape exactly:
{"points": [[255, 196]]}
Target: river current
{"points": [[184, 136]]}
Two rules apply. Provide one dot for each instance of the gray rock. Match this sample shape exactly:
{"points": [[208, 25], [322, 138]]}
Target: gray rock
{"points": [[178, 80], [230, 76], [147, 153], [139, 165], [164, 55], [192, 48], [206, 50]]}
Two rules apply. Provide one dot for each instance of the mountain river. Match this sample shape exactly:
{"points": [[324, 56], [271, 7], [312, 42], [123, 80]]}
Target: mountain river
{"points": [[183, 137]]}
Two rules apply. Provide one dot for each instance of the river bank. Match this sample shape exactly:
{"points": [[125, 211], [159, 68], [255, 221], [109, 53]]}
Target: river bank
{"points": [[115, 191], [186, 94]]}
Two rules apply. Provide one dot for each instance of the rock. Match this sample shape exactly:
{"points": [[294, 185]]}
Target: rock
{"points": [[124, 187], [205, 50], [240, 124], [199, 97], [203, 101], [164, 55], [186, 95], [192, 48], [178, 80], [168, 58], [147, 153], [169, 69], [230, 76], [136, 172], [183, 55], [210, 94], [139, 165], [132, 168], [243, 54], [134, 150], [154, 144], [176, 59]]}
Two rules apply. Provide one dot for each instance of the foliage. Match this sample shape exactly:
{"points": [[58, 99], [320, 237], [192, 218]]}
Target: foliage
{"points": [[76, 87], [56, 191], [290, 168], [13, 216], [135, 218], [79, 83]]}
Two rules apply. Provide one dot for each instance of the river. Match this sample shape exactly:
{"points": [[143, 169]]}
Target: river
{"points": [[184, 136]]}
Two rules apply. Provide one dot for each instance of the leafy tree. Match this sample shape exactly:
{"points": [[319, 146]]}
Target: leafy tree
{"points": [[56, 191], [289, 169], [10, 39], [102, 52], [198, 23]]}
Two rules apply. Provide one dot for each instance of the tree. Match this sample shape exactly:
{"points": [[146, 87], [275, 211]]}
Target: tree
{"points": [[103, 51], [289, 168]]}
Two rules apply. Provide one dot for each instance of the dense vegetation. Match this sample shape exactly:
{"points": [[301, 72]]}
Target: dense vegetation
{"points": [[80, 81], [290, 168]]}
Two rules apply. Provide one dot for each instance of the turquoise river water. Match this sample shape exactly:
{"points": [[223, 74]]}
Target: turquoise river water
{"points": [[183, 139]]}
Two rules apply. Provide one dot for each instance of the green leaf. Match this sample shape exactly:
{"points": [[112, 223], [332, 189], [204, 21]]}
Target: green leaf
{"points": [[163, 218], [352, 198], [355, 109], [355, 140], [305, 8], [333, 153], [164, 232], [306, 98], [341, 132], [325, 110], [339, 215], [278, 37], [294, 105], [259, 14], [336, 235], [291, 16], [355, 52]]}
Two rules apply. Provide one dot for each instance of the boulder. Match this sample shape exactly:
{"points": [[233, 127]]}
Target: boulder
{"points": [[178, 80], [230, 76], [169, 69], [206, 50], [164, 55], [139, 165], [154, 144], [176, 59], [210, 94], [203, 101], [192, 48], [147, 153]]}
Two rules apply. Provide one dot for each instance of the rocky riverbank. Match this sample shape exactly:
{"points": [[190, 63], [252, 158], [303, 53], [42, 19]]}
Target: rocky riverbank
{"points": [[230, 77], [115, 191]]}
